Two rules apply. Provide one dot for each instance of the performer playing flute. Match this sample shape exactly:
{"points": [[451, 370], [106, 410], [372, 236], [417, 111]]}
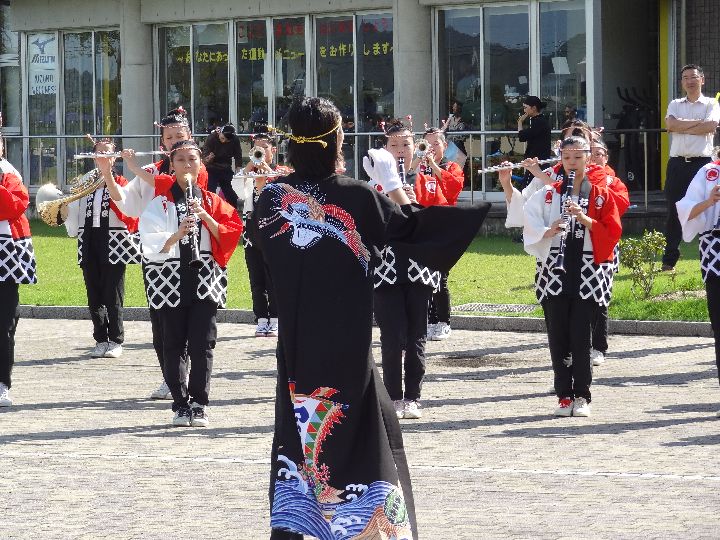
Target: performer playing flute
{"points": [[17, 265], [588, 218], [107, 242], [699, 214], [263, 297], [337, 459], [133, 198], [186, 297]]}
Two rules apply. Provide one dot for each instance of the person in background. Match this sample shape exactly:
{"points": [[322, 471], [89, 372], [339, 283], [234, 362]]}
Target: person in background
{"points": [[17, 265], [107, 243], [536, 135], [692, 121], [219, 150]]}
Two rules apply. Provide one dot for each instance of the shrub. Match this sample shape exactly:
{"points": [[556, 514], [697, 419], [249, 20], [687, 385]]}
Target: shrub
{"points": [[641, 256]]}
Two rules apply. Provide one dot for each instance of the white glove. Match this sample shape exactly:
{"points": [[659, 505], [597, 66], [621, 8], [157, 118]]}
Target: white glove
{"points": [[380, 166]]}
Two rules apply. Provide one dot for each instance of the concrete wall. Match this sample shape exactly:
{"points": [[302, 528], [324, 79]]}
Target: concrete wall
{"points": [[29, 15]]}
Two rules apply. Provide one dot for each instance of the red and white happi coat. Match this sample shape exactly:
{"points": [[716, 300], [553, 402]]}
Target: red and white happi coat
{"points": [[17, 257]]}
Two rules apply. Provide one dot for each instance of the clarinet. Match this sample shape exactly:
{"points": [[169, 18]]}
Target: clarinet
{"points": [[559, 267], [401, 169], [194, 235]]}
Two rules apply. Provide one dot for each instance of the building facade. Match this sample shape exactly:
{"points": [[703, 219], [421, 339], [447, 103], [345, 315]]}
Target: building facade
{"points": [[70, 67]]}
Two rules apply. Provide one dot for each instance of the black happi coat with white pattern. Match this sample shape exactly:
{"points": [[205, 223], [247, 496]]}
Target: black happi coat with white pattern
{"points": [[338, 466]]}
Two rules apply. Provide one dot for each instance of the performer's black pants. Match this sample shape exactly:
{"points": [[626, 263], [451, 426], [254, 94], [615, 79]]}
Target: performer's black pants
{"points": [[195, 327], [263, 298], [9, 299], [105, 286], [679, 175], [401, 314], [600, 330], [440, 303], [569, 323], [712, 288], [222, 178]]}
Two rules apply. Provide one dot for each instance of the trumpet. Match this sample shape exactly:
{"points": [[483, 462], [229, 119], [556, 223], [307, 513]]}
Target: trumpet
{"points": [[193, 236], [257, 155], [496, 168], [559, 267], [422, 147], [95, 155]]}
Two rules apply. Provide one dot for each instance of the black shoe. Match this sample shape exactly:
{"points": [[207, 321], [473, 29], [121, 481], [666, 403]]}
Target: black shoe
{"points": [[667, 268]]}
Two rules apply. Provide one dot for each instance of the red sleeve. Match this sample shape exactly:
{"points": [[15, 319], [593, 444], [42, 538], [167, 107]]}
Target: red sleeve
{"points": [[230, 227], [202, 179], [607, 228], [609, 170], [130, 222], [619, 192], [163, 183], [14, 198], [428, 191], [451, 182]]}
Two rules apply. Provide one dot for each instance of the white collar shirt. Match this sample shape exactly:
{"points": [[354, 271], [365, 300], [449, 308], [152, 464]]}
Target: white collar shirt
{"points": [[686, 145], [97, 207]]}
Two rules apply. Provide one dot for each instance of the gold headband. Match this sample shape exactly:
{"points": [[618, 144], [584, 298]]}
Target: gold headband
{"points": [[301, 139]]}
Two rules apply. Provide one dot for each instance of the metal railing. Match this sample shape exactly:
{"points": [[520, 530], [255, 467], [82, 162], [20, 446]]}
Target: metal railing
{"points": [[38, 157]]}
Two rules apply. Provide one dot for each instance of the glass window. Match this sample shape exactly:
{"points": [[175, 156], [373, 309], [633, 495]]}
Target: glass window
{"points": [[78, 88], [254, 75], [289, 64], [42, 91], [459, 64], [174, 44], [10, 100], [108, 98], [210, 76], [335, 61], [506, 65], [562, 69]]}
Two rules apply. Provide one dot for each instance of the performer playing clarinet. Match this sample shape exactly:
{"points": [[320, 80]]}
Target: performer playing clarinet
{"points": [[185, 285], [337, 460], [133, 198], [572, 229], [17, 265], [699, 214], [107, 242]]}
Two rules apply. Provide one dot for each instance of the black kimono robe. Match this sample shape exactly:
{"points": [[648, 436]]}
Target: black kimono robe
{"points": [[338, 464]]}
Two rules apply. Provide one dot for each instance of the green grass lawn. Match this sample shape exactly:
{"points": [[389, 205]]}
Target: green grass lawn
{"points": [[493, 270]]}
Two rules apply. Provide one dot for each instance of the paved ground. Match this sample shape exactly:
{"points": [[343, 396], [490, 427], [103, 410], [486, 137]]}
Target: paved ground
{"points": [[85, 455]]}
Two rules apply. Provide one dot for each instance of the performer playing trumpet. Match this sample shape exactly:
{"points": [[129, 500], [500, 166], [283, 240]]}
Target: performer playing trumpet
{"points": [[263, 299], [186, 298], [571, 298], [107, 242]]}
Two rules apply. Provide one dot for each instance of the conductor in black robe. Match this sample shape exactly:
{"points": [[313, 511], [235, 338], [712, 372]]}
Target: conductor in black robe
{"points": [[338, 464]]}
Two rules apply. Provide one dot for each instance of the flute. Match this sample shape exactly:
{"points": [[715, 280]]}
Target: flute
{"points": [[243, 175], [94, 155], [516, 165]]}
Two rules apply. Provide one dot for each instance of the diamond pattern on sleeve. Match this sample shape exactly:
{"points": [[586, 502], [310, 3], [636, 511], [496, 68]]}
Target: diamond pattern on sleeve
{"points": [[386, 273]]}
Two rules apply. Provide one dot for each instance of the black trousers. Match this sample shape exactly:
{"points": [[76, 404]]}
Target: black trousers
{"points": [[569, 323], [105, 286], [9, 300], [600, 330], [193, 327], [679, 175], [401, 314], [263, 298], [712, 288], [439, 310], [222, 178]]}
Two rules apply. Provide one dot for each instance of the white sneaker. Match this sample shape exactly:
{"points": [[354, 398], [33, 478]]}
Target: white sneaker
{"points": [[581, 407], [261, 328], [718, 413], [565, 407], [100, 349], [114, 350], [182, 417], [399, 408], [198, 415], [412, 410], [272, 327], [442, 331], [161, 392], [597, 357], [431, 331], [5, 399]]}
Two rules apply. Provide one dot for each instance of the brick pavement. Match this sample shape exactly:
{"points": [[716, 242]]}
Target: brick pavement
{"points": [[85, 455]]}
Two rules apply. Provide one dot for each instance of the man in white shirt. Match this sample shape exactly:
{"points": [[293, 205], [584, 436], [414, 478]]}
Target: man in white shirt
{"points": [[692, 121]]}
